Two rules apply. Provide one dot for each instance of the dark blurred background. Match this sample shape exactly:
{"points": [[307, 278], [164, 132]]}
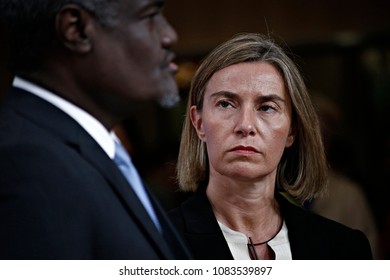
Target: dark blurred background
{"points": [[343, 51]]}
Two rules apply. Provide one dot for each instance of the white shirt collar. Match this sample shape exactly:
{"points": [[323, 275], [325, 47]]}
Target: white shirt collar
{"points": [[97, 131], [238, 241]]}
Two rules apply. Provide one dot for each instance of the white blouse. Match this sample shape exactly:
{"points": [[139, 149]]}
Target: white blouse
{"points": [[238, 241]]}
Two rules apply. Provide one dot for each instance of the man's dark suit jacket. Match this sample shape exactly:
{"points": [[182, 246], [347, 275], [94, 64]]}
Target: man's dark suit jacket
{"points": [[62, 197], [311, 237]]}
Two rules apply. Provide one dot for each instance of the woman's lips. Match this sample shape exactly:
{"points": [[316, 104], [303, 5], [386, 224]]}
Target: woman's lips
{"points": [[245, 150]]}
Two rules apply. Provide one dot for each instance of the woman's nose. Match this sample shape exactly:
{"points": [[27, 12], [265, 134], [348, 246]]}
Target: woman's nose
{"points": [[245, 124]]}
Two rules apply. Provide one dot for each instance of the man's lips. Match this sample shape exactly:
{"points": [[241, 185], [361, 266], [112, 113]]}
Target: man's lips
{"points": [[245, 149], [173, 67], [170, 64]]}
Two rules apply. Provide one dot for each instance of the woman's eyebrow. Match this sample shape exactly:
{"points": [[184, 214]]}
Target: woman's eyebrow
{"points": [[224, 93], [260, 98], [271, 97]]}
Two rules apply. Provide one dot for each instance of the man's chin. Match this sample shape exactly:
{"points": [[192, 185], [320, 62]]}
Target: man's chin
{"points": [[170, 99]]}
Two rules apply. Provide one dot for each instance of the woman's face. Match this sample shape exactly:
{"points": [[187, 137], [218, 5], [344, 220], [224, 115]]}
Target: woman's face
{"points": [[245, 121]]}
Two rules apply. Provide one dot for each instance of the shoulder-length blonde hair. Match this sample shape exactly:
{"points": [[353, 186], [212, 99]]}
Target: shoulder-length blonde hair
{"points": [[303, 167]]}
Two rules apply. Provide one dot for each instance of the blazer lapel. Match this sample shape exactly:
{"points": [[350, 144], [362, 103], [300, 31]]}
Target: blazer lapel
{"points": [[203, 231], [126, 194], [179, 248], [303, 243]]}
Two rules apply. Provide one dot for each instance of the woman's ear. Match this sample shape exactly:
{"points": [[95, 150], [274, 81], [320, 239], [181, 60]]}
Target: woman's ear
{"points": [[291, 136], [197, 122], [72, 25]]}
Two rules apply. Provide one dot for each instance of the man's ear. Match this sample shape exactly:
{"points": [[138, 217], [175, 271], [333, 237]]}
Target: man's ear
{"points": [[197, 122], [72, 26]]}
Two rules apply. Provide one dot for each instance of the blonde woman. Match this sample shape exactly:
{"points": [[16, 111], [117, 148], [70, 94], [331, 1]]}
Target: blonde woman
{"points": [[251, 142]]}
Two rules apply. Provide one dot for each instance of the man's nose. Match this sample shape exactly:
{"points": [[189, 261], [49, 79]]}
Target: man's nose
{"points": [[169, 36]]}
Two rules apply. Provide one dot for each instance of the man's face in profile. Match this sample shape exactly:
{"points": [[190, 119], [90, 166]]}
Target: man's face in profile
{"points": [[134, 54]]}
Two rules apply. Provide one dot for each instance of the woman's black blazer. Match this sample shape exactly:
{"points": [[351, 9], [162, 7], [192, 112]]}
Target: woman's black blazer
{"points": [[312, 237]]}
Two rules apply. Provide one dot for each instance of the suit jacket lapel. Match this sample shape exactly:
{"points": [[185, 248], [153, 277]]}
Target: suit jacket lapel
{"points": [[72, 134], [303, 245], [179, 249], [203, 231]]}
